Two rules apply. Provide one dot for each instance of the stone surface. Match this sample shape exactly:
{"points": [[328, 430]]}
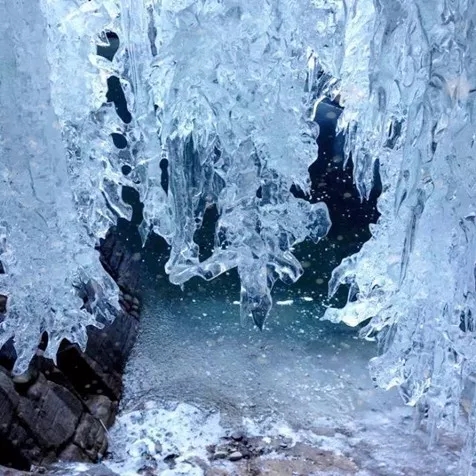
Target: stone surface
{"points": [[235, 456], [4, 471], [260, 456], [90, 436], [62, 411], [102, 408], [50, 412]]}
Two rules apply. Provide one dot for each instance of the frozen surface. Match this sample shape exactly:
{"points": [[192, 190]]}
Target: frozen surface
{"points": [[199, 347], [234, 120], [235, 130]]}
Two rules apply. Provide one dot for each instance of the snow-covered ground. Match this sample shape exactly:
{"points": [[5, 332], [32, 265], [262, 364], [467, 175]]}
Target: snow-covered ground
{"points": [[298, 395]]}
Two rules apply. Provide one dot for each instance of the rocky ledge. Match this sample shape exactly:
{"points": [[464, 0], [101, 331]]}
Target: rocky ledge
{"points": [[62, 412]]}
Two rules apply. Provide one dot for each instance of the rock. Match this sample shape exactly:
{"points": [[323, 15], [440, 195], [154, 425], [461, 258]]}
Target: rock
{"points": [[216, 472], [45, 403], [220, 454], [135, 314], [211, 448], [197, 461], [4, 471], [8, 402], [98, 470], [235, 456], [71, 453], [102, 408], [8, 354], [24, 380], [128, 298], [90, 436], [169, 460], [3, 303], [158, 447], [237, 435]]}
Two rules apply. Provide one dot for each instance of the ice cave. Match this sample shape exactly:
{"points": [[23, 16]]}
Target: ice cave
{"points": [[238, 237]]}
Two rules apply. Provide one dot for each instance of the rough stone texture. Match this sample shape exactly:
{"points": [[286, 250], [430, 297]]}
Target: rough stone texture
{"points": [[50, 412], [61, 412], [90, 436], [102, 408]]}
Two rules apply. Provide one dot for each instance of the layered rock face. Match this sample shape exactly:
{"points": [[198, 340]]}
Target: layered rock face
{"points": [[61, 412]]}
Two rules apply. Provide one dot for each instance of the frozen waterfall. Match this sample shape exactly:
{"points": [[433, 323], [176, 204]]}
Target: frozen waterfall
{"points": [[222, 94]]}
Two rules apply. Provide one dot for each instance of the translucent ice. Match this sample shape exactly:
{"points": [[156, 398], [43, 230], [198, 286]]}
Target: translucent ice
{"points": [[221, 94], [52, 275], [406, 81]]}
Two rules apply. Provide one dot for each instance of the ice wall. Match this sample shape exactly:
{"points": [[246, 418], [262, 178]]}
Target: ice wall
{"points": [[407, 83], [52, 275], [217, 90]]}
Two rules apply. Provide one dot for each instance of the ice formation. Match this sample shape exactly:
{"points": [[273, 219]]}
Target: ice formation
{"points": [[222, 93], [50, 270], [215, 88], [406, 79]]}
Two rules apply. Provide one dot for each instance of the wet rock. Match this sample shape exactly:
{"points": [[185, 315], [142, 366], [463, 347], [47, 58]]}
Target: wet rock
{"points": [[45, 403], [71, 453], [135, 314], [197, 461], [90, 436], [3, 303], [235, 456], [4, 471], [211, 448], [102, 408], [24, 380], [8, 402], [127, 297], [323, 459], [8, 354], [237, 435], [169, 460], [220, 454], [158, 447], [216, 472], [99, 470], [149, 468]]}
